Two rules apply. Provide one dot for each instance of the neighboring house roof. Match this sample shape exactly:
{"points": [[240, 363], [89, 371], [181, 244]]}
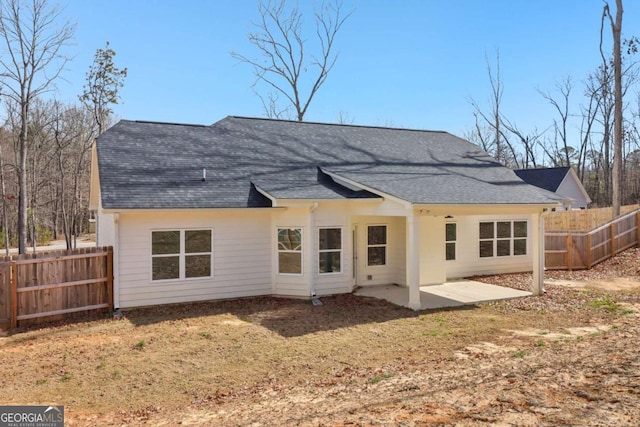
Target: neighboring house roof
{"points": [[145, 165], [546, 178], [562, 180]]}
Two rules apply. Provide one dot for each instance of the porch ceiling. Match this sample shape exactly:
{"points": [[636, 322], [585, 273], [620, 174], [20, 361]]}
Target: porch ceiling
{"points": [[450, 294]]}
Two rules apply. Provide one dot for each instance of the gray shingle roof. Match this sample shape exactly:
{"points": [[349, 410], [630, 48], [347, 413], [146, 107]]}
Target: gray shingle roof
{"points": [[146, 165], [546, 178]]}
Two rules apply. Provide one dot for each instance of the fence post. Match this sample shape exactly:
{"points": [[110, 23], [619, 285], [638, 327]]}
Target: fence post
{"points": [[569, 251], [638, 227], [588, 250], [612, 230], [14, 294]]}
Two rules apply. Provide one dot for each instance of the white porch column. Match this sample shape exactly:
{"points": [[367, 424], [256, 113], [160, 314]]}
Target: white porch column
{"points": [[537, 228], [413, 260]]}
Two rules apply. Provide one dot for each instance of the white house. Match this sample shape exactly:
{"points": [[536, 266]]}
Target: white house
{"points": [[252, 206], [561, 180]]}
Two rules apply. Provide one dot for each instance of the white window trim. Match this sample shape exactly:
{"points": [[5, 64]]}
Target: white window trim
{"points": [[455, 242], [386, 245], [331, 273], [301, 251], [181, 256], [511, 239]]}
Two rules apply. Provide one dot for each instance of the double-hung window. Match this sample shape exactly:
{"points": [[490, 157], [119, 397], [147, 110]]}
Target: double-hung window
{"points": [[181, 254], [450, 243], [502, 238], [376, 245], [329, 250], [290, 250]]}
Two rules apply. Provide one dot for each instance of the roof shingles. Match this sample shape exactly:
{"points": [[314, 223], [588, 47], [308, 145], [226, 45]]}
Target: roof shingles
{"points": [[146, 165]]}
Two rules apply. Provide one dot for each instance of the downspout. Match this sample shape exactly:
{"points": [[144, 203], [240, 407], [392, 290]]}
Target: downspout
{"points": [[312, 272], [543, 253], [116, 261]]}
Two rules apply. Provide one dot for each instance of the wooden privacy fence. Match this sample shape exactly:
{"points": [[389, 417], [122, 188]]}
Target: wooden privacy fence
{"points": [[582, 219], [48, 286], [579, 250]]}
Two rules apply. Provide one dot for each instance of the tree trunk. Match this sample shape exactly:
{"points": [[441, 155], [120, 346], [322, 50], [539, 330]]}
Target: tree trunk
{"points": [[5, 220], [617, 124], [22, 181]]}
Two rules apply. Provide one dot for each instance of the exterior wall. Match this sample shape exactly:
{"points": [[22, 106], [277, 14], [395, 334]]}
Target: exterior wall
{"points": [[432, 250], [468, 261], [570, 188], [395, 270], [241, 256], [245, 256], [105, 229], [292, 284], [333, 215]]}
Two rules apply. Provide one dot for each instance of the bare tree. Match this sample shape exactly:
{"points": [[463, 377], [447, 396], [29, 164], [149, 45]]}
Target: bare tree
{"points": [[285, 63], [3, 194], [562, 154], [344, 118], [31, 62], [501, 147], [529, 141], [588, 118], [616, 29], [480, 135], [104, 80], [496, 92]]}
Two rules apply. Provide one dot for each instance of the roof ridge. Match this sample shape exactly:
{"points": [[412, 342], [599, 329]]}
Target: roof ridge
{"points": [[544, 168], [336, 124], [152, 122]]}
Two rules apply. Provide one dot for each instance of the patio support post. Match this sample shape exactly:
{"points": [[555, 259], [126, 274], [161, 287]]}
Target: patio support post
{"points": [[413, 260], [537, 228]]}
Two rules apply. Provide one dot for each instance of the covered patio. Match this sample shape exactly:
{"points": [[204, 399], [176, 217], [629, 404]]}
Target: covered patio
{"points": [[449, 294]]}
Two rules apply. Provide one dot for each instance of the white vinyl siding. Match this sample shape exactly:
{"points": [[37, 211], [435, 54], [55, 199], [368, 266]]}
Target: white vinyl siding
{"points": [[241, 254], [469, 263], [331, 216], [571, 189], [394, 269]]}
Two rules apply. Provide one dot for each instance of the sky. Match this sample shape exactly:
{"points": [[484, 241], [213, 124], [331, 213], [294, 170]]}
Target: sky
{"points": [[405, 63]]}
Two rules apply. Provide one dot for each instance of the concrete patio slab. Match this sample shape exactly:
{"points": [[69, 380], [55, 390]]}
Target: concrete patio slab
{"points": [[450, 294]]}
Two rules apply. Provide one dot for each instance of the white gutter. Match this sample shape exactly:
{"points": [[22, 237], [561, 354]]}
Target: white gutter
{"points": [[117, 210], [312, 270]]}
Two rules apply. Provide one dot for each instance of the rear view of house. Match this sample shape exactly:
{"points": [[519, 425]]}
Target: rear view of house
{"points": [[252, 206]]}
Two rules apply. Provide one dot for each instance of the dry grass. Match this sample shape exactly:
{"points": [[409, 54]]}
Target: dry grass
{"points": [[175, 356], [172, 357]]}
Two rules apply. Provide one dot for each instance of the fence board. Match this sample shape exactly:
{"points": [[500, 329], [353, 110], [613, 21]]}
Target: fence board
{"points": [[575, 250], [59, 312], [582, 219], [46, 286]]}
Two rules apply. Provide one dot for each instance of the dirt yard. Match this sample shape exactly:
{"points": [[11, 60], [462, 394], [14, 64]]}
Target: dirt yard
{"points": [[569, 357]]}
